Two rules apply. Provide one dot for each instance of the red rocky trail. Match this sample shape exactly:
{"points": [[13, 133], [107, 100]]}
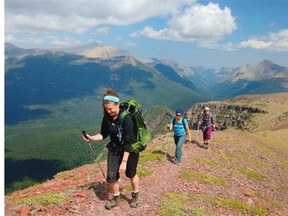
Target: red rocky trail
{"points": [[240, 174]]}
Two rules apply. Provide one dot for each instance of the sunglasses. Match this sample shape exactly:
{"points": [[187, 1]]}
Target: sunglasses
{"points": [[178, 115]]}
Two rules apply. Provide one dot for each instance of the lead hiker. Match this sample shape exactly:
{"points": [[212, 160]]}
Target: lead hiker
{"points": [[181, 129], [120, 156], [207, 125]]}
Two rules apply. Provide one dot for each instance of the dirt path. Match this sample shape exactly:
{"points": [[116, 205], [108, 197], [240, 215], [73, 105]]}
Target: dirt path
{"points": [[238, 175]]}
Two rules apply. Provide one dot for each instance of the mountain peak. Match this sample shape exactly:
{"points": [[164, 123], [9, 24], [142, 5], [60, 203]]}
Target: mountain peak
{"points": [[10, 46], [266, 64], [79, 48], [270, 66], [104, 51]]}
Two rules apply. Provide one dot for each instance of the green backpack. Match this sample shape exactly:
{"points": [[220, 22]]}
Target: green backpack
{"points": [[143, 135]]}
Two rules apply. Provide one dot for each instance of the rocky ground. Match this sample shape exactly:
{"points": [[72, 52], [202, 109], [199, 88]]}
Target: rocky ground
{"points": [[240, 174]]}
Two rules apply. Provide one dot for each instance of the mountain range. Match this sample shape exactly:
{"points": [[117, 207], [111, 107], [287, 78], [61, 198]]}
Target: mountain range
{"points": [[37, 76], [51, 94]]}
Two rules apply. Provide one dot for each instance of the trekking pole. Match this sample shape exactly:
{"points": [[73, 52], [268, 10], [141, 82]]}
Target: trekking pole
{"points": [[166, 150], [197, 135], [93, 153]]}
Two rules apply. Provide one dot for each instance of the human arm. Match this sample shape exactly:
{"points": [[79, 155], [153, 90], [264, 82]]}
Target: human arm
{"points": [[96, 137], [123, 164], [200, 121], [188, 132], [213, 122], [170, 126], [130, 137]]}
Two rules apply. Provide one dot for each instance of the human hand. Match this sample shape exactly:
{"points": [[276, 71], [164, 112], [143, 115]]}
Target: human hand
{"points": [[86, 137], [123, 166], [168, 127]]}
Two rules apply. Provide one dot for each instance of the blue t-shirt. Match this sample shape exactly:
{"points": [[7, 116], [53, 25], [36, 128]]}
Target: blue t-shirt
{"points": [[178, 127]]}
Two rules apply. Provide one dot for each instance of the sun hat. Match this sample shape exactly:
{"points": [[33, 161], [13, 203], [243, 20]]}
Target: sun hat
{"points": [[206, 108]]}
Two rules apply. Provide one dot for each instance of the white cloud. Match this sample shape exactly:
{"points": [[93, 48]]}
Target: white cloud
{"points": [[26, 40], [102, 31], [38, 18], [186, 20], [200, 21], [79, 16], [42, 41], [65, 42], [204, 25], [277, 41]]}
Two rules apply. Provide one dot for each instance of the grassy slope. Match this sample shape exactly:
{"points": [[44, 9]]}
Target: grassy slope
{"points": [[241, 174], [56, 139]]}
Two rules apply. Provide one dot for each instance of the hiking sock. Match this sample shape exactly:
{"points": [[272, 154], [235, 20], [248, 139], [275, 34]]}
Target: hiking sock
{"points": [[113, 203], [135, 200]]}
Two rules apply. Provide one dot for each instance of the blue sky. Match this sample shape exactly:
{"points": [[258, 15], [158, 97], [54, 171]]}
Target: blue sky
{"points": [[195, 33]]}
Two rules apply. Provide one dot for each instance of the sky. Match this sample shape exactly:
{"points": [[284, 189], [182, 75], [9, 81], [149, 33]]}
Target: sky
{"points": [[205, 33]]}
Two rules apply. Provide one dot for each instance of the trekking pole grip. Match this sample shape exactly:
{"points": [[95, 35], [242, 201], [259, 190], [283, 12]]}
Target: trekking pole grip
{"points": [[85, 134]]}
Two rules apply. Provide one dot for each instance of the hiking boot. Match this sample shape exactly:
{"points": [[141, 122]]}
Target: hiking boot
{"points": [[205, 146], [135, 200], [113, 203], [176, 162]]}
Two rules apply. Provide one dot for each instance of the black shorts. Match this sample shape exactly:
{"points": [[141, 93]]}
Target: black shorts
{"points": [[113, 163]]}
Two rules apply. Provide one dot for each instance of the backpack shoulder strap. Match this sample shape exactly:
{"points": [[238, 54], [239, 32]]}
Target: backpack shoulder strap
{"points": [[120, 125], [174, 120], [212, 118], [122, 116]]}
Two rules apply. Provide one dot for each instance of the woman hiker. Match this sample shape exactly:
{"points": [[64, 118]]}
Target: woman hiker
{"points": [[207, 125], [181, 129], [120, 157]]}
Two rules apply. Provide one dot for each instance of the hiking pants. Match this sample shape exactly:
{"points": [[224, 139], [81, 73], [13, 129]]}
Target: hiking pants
{"points": [[207, 133], [179, 141]]}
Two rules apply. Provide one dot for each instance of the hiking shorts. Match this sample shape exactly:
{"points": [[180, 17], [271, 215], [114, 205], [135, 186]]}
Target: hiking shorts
{"points": [[113, 163], [207, 133]]}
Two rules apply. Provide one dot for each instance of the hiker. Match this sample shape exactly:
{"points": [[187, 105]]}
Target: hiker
{"points": [[207, 125], [120, 157], [181, 129]]}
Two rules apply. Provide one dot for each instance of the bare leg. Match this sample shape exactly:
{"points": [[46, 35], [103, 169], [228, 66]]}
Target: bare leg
{"points": [[114, 188], [135, 183]]}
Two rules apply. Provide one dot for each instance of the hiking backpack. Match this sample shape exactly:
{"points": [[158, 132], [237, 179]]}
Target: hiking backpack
{"points": [[205, 120], [143, 134]]}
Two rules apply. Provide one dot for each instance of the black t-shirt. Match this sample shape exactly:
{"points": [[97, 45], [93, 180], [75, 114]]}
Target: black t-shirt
{"points": [[129, 133]]}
